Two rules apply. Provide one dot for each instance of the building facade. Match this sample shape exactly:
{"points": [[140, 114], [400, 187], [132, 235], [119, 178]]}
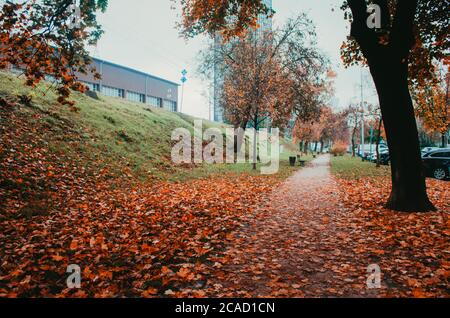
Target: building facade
{"points": [[123, 82], [265, 23]]}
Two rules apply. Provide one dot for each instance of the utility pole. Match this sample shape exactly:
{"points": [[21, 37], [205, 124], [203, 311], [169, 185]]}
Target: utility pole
{"points": [[445, 136], [362, 116]]}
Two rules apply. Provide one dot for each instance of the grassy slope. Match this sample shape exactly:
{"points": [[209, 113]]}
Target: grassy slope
{"points": [[135, 135], [347, 167]]}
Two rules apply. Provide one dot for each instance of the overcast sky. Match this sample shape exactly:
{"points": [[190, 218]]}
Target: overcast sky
{"points": [[141, 34]]}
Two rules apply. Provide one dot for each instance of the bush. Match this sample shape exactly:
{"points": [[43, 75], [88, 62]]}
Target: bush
{"points": [[339, 149]]}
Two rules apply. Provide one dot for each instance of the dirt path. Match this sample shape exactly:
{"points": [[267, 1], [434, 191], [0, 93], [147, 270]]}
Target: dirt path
{"points": [[297, 247]]}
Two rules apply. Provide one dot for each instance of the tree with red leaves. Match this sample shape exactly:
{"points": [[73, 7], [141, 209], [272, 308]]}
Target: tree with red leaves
{"points": [[412, 34], [48, 38]]}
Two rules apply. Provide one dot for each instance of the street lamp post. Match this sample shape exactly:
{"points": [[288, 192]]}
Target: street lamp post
{"points": [[183, 81], [445, 136], [362, 117]]}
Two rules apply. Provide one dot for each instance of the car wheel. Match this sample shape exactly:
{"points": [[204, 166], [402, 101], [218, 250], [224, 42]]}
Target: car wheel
{"points": [[439, 173]]}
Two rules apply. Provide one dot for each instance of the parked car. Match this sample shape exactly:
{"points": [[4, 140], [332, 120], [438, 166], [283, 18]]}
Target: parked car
{"points": [[372, 157], [384, 157], [364, 151], [428, 149], [437, 164]]}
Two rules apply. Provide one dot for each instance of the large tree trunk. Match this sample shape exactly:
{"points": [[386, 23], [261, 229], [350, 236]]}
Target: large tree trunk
{"points": [[408, 180], [255, 145], [444, 141], [239, 141], [388, 64], [353, 143], [353, 148]]}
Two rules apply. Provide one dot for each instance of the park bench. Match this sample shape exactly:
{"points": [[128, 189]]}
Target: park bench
{"points": [[301, 162]]}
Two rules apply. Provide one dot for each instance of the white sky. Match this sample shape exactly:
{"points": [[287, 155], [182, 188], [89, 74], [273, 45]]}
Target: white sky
{"points": [[141, 34]]}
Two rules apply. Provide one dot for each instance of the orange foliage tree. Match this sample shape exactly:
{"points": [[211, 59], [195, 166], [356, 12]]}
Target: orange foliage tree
{"points": [[270, 76], [329, 128], [411, 31], [431, 101], [228, 18], [48, 38]]}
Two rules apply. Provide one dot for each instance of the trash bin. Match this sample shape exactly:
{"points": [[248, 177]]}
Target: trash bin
{"points": [[292, 161]]}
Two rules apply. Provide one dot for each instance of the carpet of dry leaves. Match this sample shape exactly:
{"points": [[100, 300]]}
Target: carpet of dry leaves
{"points": [[224, 236], [318, 235], [130, 239]]}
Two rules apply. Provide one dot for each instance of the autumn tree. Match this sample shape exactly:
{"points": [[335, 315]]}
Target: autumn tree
{"points": [[253, 81], [49, 38], [330, 127], [337, 129], [229, 18], [268, 76], [303, 132], [412, 33], [319, 130], [431, 105]]}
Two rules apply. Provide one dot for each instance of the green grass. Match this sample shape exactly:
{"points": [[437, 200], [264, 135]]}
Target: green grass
{"points": [[347, 167], [136, 136], [208, 170]]}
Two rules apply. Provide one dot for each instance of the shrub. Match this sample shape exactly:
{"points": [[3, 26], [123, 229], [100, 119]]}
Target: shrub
{"points": [[338, 149]]}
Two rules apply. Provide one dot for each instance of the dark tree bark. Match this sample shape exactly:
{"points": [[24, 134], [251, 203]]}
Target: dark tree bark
{"points": [[239, 140], [255, 149], [388, 65], [353, 141]]}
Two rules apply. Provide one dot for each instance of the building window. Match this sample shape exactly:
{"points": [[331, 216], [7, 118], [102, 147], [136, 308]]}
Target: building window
{"points": [[170, 105], [154, 101], [135, 97], [113, 92], [50, 78], [16, 70], [95, 87]]}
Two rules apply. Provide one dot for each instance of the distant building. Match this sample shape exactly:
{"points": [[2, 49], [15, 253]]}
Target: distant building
{"points": [[265, 23], [123, 82]]}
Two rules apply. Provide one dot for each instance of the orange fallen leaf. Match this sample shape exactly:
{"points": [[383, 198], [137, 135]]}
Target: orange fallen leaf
{"points": [[74, 245]]}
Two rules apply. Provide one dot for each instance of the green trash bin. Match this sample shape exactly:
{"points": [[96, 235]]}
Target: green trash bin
{"points": [[292, 161]]}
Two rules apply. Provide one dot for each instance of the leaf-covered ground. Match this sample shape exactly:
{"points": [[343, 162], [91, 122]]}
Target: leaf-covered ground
{"points": [[226, 235], [130, 238], [319, 234]]}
